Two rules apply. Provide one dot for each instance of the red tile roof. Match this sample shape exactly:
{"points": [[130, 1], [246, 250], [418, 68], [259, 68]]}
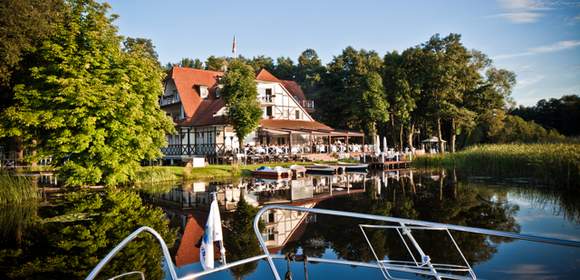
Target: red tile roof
{"points": [[186, 79], [294, 125], [294, 89], [266, 76], [205, 114], [200, 112], [188, 252]]}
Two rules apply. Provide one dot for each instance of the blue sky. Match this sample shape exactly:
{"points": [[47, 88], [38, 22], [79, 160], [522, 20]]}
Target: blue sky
{"points": [[537, 39]]}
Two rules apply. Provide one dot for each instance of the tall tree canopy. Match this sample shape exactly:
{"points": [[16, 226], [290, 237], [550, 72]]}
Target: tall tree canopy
{"points": [[191, 63], [352, 88], [216, 63], [24, 24], [90, 104], [241, 98], [284, 68], [554, 113], [309, 70]]}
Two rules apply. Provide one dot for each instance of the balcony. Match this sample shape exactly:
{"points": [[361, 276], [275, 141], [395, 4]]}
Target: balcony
{"points": [[168, 100], [307, 104], [267, 99]]}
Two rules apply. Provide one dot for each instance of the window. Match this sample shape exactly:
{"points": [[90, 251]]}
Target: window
{"points": [[269, 111], [268, 95], [271, 234], [297, 114], [218, 92], [203, 92], [271, 218]]}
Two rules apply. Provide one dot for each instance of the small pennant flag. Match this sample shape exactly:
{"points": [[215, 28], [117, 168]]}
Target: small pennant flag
{"points": [[212, 233]]}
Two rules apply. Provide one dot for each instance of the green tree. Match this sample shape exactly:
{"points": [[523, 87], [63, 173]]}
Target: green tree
{"points": [[373, 104], [146, 45], [554, 113], [285, 68], [81, 231], [351, 76], [261, 62], [88, 103], [449, 78], [309, 70], [401, 91], [191, 63], [241, 98], [216, 63], [240, 239], [25, 24]]}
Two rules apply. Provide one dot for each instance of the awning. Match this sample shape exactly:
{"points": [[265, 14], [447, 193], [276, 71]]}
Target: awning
{"points": [[347, 133]]}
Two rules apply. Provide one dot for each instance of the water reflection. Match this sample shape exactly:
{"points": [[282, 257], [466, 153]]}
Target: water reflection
{"points": [[66, 240], [436, 195]]}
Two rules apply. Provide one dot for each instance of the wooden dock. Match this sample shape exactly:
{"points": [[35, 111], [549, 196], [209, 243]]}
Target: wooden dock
{"points": [[391, 165]]}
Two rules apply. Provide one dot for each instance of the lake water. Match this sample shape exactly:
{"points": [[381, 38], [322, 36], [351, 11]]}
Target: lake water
{"points": [[64, 236]]}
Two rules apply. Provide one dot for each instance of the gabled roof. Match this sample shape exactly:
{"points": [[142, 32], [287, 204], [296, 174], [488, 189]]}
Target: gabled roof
{"points": [[185, 81], [294, 89], [205, 114], [266, 76]]}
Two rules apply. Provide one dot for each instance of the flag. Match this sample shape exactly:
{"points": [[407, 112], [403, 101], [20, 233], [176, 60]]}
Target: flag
{"points": [[212, 233], [234, 46]]}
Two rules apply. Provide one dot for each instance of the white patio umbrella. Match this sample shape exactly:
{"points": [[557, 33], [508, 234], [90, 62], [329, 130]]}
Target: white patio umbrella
{"points": [[377, 144], [385, 144]]}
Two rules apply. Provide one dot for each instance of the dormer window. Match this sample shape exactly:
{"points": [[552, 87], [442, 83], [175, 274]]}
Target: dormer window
{"points": [[218, 90], [203, 92]]}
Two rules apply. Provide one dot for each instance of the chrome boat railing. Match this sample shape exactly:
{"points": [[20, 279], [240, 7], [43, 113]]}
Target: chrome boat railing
{"points": [[404, 228]]}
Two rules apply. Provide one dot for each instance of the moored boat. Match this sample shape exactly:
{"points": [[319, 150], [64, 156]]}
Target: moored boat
{"points": [[322, 169], [354, 167], [277, 172], [298, 171]]}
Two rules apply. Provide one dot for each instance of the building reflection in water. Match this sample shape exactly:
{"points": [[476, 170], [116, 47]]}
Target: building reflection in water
{"points": [[425, 195], [187, 204]]}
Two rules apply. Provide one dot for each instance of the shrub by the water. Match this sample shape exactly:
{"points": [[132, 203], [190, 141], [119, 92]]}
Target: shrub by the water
{"points": [[16, 189], [552, 164]]}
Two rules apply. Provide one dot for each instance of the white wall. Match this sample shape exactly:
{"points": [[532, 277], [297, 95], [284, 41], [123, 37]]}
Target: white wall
{"points": [[284, 106]]}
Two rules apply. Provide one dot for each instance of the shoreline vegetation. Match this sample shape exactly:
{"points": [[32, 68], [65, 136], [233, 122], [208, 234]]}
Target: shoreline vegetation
{"points": [[16, 189], [556, 165], [157, 174]]}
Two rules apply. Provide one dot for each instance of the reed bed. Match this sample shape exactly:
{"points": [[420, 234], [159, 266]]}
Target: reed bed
{"points": [[17, 189], [551, 164], [156, 174]]}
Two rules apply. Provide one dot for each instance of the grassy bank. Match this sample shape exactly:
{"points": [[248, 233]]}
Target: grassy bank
{"points": [[153, 174], [552, 164], [16, 189]]}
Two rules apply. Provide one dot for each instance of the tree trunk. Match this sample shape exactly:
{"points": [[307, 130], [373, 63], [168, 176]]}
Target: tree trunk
{"points": [[410, 135], [401, 137], [33, 163], [440, 136], [453, 135], [393, 136], [19, 151]]}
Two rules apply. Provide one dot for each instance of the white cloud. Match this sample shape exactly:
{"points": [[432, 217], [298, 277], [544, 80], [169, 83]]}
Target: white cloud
{"points": [[520, 17], [556, 47], [522, 11]]}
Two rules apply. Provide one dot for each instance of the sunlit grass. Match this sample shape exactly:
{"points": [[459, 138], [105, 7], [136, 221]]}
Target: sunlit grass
{"points": [[16, 189], [552, 164]]}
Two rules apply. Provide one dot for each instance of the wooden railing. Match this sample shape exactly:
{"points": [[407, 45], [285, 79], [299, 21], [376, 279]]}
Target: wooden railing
{"points": [[308, 104], [197, 149]]}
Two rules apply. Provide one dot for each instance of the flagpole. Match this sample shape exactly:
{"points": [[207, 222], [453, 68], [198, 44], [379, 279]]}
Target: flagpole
{"points": [[234, 47]]}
